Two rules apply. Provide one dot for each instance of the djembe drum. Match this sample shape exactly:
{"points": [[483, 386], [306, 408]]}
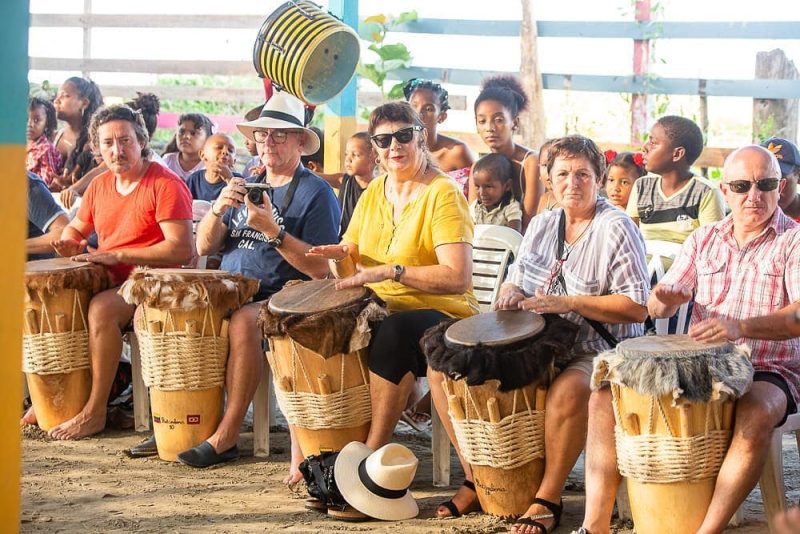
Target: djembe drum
{"points": [[306, 51], [182, 328], [56, 336], [318, 340], [673, 406], [498, 366]]}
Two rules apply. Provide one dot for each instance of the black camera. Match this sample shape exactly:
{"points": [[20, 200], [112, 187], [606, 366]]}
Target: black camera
{"points": [[255, 192]]}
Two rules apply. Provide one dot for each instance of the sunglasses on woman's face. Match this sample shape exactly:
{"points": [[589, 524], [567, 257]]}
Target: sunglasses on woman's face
{"points": [[743, 186], [403, 136]]}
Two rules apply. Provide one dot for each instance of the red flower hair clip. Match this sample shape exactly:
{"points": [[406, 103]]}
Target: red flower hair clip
{"points": [[610, 155], [638, 159]]}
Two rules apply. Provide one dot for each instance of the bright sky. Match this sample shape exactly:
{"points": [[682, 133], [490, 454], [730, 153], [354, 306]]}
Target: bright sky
{"points": [[706, 58]]}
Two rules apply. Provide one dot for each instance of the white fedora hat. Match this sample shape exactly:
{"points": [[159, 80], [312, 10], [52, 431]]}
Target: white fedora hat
{"points": [[376, 483], [282, 112]]}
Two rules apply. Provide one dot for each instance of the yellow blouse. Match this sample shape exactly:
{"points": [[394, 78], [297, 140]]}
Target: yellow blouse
{"points": [[438, 216]]}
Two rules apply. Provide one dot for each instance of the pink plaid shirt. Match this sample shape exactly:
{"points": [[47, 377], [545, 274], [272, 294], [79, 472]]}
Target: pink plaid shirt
{"points": [[44, 160], [732, 283]]}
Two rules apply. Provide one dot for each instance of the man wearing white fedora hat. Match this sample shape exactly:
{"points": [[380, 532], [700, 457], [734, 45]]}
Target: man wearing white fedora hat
{"points": [[264, 235]]}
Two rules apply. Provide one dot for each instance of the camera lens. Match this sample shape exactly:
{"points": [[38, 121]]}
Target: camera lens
{"points": [[255, 196]]}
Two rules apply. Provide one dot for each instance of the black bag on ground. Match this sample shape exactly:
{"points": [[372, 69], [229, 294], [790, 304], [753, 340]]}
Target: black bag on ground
{"points": [[318, 474]]}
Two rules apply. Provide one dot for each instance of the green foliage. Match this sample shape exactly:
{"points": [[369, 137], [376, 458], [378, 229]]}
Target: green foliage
{"points": [[390, 57], [43, 90], [766, 130]]}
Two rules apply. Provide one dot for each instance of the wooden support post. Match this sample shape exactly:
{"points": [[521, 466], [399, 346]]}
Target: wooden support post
{"points": [[262, 413], [13, 109], [532, 125], [141, 395], [340, 123], [641, 65], [774, 117]]}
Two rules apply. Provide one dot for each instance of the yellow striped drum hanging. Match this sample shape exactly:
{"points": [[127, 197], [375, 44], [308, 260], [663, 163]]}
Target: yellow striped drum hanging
{"points": [[306, 51]]}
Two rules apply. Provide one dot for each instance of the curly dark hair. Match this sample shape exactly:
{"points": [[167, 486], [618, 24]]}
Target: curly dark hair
{"points": [[149, 105], [91, 92], [120, 112], [505, 89], [199, 120], [571, 146], [419, 83], [50, 121], [626, 161], [683, 132]]}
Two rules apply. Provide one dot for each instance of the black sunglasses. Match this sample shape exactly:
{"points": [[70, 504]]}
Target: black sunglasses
{"points": [[743, 186], [403, 136]]}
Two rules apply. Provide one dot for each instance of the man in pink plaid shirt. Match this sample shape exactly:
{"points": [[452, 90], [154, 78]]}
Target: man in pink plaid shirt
{"points": [[744, 272]]}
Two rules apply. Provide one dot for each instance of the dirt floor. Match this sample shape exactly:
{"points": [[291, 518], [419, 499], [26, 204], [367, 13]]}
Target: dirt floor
{"points": [[91, 486]]}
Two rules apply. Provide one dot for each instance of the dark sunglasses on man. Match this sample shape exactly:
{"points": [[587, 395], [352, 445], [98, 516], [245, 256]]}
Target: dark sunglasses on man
{"points": [[743, 186], [403, 136]]}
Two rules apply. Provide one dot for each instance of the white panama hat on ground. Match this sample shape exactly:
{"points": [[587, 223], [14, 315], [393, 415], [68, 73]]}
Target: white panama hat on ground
{"points": [[376, 483], [282, 112]]}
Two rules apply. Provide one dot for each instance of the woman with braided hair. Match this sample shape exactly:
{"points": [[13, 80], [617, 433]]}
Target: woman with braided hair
{"points": [[430, 101]]}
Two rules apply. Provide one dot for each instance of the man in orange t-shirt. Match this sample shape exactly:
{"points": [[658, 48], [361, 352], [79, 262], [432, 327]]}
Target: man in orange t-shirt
{"points": [[142, 213]]}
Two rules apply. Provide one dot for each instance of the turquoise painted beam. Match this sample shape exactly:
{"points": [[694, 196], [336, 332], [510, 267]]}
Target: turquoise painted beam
{"points": [[14, 80], [344, 105]]}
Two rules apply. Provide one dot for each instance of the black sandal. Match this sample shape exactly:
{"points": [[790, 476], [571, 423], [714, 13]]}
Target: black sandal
{"points": [[555, 514], [453, 509]]}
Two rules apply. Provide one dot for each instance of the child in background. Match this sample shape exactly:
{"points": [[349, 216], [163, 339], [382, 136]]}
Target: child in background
{"points": [[218, 155], [671, 202], [622, 172], [42, 158], [253, 167], [499, 196], [182, 155], [359, 169], [316, 162], [548, 201]]}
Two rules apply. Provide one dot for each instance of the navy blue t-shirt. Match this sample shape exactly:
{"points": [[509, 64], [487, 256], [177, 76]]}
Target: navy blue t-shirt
{"points": [[42, 211], [201, 189], [312, 216]]}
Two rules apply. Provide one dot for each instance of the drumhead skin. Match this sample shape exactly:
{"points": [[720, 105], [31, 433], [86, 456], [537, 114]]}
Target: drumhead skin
{"points": [[53, 264], [665, 345], [314, 296], [186, 274], [495, 328]]}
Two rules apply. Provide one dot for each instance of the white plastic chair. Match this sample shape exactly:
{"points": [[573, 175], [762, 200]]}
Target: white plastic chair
{"points": [[493, 249], [658, 252]]}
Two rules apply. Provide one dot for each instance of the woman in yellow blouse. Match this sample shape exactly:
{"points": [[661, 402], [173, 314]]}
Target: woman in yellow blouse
{"points": [[410, 240]]}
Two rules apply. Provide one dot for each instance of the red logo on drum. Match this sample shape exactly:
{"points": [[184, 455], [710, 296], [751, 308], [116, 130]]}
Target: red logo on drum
{"points": [[192, 419]]}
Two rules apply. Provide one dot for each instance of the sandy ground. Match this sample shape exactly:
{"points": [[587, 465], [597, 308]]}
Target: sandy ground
{"points": [[91, 486]]}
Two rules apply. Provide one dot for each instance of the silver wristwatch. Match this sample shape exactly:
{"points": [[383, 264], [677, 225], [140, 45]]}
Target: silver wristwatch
{"points": [[398, 271]]}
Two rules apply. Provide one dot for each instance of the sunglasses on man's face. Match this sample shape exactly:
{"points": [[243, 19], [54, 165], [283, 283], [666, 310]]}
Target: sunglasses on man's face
{"points": [[403, 136], [743, 186]]}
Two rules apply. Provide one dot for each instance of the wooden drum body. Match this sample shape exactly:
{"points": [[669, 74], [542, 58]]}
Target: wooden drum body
{"points": [[497, 367], [182, 328], [322, 390], [56, 336], [671, 439]]}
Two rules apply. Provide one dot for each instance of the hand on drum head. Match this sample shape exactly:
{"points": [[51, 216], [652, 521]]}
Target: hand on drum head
{"points": [[103, 258], [712, 330], [543, 303], [509, 298], [329, 252], [69, 247], [672, 294], [366, 275]]}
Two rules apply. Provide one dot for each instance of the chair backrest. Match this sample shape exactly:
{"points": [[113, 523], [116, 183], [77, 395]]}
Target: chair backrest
{"points": [[199, 210], [658, 252], [493, 249]]}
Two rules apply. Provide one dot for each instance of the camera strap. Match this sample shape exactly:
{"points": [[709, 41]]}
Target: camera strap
{"points": [[287, 198]]}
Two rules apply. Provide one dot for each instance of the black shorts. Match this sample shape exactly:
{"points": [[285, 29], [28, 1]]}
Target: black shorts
{"points": [[777, 380]]}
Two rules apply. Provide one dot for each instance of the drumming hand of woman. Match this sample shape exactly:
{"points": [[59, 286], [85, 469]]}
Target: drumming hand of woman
{"points": [[329, 252], [366, 275], [509, 298], [712, 330], [543, 303], [69, 247]]}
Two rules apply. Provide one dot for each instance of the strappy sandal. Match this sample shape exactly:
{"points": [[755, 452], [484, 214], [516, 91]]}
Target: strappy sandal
{"points": [[315, 505], [555, 514], [453, 509]]}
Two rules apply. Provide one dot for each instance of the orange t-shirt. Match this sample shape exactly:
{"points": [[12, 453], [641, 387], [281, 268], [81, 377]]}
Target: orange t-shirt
{"points": [[131, 221]]}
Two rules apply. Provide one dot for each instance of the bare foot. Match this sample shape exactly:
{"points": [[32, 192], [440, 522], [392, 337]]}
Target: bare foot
{"points": [[465, 501], [29, 418], [294, 475], [788, 522], [82, 425]]}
